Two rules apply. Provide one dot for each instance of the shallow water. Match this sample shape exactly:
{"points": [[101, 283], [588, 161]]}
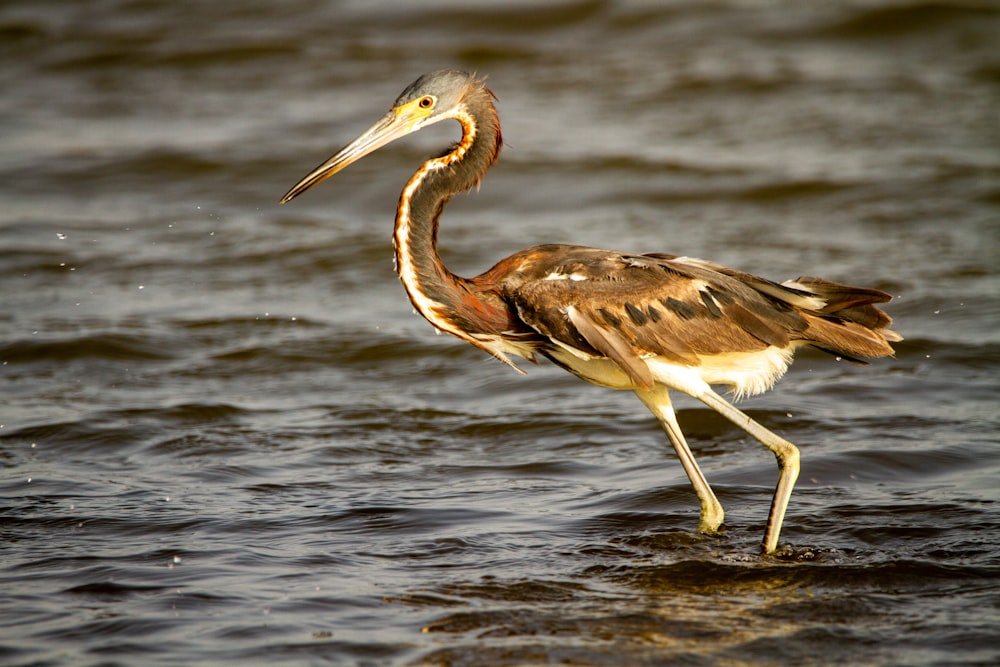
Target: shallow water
{"points": [[226, 438]]}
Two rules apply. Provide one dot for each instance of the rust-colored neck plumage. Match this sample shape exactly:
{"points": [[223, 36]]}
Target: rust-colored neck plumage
{"points": [[440, 296]]}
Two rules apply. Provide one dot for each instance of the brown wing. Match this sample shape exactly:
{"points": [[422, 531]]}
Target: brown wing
{"points": [[625, 307], [629, 306]]}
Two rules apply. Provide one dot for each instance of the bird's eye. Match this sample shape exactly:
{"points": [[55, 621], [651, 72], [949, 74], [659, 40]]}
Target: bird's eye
{"points": [[426, 102]]}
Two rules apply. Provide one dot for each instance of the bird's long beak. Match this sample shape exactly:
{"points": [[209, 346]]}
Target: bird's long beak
{"points": [[398, 122]]}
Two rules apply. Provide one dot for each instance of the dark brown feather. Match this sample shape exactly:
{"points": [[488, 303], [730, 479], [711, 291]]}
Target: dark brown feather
{"points": [[852, 304], [611, 344]]}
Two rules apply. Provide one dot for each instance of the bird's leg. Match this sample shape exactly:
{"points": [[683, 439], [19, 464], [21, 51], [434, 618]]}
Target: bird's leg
{"points": [[658, 402], [786, 453]]}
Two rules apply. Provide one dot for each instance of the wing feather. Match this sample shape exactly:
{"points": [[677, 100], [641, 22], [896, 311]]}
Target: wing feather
{"points": [[628, 307], [611, 344]]}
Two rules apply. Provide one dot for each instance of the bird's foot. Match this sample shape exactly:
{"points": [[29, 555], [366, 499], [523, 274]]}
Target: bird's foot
{"points": [[710, 522]]}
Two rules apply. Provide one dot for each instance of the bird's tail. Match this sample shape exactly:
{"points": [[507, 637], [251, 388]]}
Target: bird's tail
{"points": [[849, 324]]}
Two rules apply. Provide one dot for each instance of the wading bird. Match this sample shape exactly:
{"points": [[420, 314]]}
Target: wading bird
{"points": [[645, 322]]}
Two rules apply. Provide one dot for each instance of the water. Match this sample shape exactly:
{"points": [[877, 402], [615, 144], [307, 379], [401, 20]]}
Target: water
{"points": [[226, 438]]}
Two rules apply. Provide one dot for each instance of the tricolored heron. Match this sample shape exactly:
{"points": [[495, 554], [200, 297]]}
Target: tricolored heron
{"points": [[645, 322]]}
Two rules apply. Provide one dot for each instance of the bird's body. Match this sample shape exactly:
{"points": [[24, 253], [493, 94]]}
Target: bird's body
{"points": [[645, 322]]}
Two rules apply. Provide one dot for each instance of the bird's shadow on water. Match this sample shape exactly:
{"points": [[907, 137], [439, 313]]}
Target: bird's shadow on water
{"points": [[616, 590], [654, 597]]}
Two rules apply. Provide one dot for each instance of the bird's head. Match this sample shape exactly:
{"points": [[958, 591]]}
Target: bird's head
{"points": [[433, 97]]}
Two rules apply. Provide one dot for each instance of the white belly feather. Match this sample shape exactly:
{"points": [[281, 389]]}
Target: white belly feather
{"points": [[746, 373]]}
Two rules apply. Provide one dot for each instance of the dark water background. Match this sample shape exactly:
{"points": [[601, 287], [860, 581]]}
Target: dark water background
{"points": [[227, 440]]}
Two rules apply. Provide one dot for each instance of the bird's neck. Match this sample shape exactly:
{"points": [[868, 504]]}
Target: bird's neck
{"points": [[439, 295]]}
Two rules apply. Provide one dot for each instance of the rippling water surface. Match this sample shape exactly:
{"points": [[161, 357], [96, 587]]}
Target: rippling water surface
{"points": [[226, 439]]}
